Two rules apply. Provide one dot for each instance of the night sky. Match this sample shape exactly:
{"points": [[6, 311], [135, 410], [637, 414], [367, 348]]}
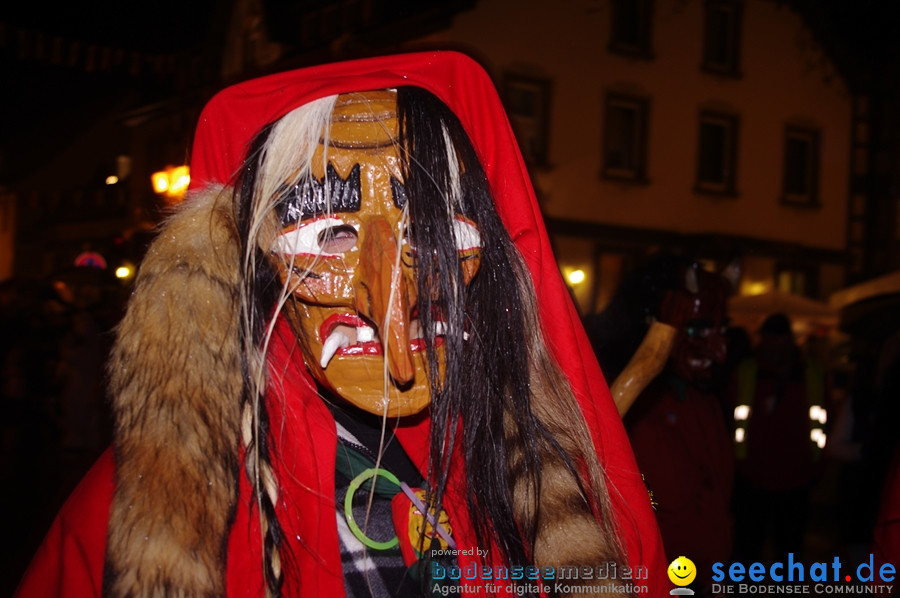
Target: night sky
{"points": [[50, 96], [161, 26]]}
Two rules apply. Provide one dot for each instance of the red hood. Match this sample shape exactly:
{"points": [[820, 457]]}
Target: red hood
{"points": [[235, 115]]}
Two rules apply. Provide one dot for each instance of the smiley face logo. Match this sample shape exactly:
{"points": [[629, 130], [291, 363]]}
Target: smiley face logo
{"points": [[682, 571]]}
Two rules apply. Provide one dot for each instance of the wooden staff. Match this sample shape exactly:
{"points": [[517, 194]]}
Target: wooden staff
{"points": [[646, 363]]}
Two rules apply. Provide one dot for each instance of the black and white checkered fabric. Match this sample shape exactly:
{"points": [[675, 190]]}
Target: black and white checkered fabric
{"points": [[368, 572]]}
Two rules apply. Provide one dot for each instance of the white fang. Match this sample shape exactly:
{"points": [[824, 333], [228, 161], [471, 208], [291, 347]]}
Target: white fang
{"points": [[335, 341]]}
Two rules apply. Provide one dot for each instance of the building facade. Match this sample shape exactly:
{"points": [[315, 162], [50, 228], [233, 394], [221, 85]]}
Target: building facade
{"points": [[717, 128]]}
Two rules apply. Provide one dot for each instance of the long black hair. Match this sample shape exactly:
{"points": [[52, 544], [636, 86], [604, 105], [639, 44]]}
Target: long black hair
{"points": [[490, 308]]}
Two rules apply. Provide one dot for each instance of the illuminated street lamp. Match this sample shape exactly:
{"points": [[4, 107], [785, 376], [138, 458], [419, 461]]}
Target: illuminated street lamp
{"points": [[576, 276], [171, 183], [125, 271]]}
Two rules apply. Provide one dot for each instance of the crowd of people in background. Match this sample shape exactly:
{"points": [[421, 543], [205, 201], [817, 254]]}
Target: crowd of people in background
{"points": [[758, 443], [54, 338]]}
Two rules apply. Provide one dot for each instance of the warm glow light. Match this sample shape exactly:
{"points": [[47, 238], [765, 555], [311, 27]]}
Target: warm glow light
{"points": [[112, 179], [741, 412], [160, 181], [576, 276], [756, 288], [739, 435], [179, 179], [818, 436], [172, 182], [818, 414], [125, 271]]}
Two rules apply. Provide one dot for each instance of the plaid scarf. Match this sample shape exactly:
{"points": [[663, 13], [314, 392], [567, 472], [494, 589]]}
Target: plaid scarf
{"points": [[368, 572]]}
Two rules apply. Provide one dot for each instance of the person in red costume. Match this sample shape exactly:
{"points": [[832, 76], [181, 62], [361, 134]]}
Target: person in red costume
{"points": [[351, 299], [677, 425]]}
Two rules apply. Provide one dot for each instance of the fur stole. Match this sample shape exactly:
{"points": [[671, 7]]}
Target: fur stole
{"points": [[176, 383]]}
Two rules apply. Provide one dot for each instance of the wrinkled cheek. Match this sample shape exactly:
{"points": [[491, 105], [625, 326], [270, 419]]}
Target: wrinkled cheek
{"points": [[470, 262], [327, 290], [317, 281]]}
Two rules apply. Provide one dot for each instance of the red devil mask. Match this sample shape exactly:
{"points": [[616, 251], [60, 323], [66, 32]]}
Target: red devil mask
{"points": [[697, 311]]}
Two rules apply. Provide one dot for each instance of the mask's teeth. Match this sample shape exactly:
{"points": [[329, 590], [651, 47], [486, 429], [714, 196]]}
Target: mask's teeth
{"points": [[365, 334], [335, 341], [440, 328]]}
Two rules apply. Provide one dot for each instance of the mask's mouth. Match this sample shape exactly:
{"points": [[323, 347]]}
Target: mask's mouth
{"points": [[350, 334], [701, 363]]}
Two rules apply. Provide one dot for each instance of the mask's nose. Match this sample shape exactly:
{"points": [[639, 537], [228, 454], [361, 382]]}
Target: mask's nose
{"points": [[382, 295]]}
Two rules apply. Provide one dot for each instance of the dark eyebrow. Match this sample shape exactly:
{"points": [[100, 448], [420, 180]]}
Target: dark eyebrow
{"points": [[307, 198], [398, 191]]}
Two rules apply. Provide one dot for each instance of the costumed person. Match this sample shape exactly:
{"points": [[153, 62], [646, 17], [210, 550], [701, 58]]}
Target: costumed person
{"points": [[782, 395], [358, 287], [677, 425]]}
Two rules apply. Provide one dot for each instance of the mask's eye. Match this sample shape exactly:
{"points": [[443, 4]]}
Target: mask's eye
{"points": [[338, 239], [700, 331], [327, 237], [466, 234]]}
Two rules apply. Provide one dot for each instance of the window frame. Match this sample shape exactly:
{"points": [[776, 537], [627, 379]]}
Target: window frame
{"points": [[809, 198], [810, 281], [637, 172], [731, 65], [642, 47], [731, 123], [532, 130]]}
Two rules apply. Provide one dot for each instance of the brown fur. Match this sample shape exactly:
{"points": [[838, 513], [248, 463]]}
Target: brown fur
{"points": [[572, 521], [176, 383]]}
